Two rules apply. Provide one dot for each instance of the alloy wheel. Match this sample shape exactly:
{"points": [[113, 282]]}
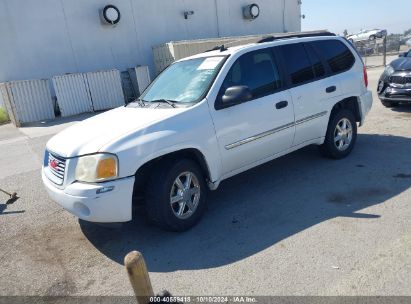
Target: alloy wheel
{"points": [[185, 195], [343, 134]]}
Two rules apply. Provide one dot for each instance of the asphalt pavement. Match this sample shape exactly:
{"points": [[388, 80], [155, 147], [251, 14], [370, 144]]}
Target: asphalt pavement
{"points": [[299, 225]]}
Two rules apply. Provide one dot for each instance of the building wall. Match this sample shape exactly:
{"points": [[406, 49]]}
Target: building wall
{"points": [[43, 38]]}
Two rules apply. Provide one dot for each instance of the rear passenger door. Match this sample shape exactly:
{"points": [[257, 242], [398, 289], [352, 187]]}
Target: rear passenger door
{"points": [[340, 60], [312, 90]]}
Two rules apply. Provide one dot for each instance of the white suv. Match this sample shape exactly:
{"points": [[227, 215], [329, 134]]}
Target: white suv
{"points": [[205, 119]]}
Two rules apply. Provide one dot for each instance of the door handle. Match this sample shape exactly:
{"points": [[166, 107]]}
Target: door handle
{"points": [[331, 89], [281, 104]]}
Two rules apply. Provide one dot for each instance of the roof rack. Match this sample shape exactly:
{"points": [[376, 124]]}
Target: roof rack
{"points": [[269, 38], [295, 35], [222, 48]]}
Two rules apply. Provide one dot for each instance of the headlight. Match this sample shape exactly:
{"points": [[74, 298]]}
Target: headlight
{"points": [[389, 70], [97, 168]]}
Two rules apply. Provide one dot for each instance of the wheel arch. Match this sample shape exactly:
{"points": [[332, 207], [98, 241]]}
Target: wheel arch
{"points": [[349, 103], [189, 153]]}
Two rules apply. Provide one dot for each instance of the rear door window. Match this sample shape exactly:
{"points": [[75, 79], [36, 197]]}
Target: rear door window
{"points": [[297, 63], [318, 66], [336, 54]]}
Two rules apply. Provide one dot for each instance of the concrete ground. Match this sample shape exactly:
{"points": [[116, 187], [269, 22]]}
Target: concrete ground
{"points": [[299, 225]]}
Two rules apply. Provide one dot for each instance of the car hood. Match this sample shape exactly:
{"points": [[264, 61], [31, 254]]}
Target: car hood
{"points": [[401, 64], [90, 135]]}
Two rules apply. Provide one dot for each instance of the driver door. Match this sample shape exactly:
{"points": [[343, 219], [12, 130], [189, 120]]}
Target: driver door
{"points": [[253, 131]]}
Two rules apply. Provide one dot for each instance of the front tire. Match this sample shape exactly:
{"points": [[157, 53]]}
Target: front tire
{"points": [[176, 195], [341, 135]]}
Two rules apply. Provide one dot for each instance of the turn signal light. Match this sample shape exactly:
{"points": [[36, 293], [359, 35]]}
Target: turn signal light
{"points": [[106, 168]]}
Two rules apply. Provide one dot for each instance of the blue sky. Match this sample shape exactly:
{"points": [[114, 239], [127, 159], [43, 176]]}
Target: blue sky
{"points": [[354, 15]]}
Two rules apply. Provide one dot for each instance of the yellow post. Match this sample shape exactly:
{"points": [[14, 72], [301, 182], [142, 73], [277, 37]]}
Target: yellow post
{"points": [[139, 278]]}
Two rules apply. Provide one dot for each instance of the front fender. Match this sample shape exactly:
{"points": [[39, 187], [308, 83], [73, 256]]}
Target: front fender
{"points": [[152, 146], [192, 129]]}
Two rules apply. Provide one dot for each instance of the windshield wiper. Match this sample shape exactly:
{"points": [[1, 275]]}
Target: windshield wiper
{"points": [[170, 102], [139, 101]]}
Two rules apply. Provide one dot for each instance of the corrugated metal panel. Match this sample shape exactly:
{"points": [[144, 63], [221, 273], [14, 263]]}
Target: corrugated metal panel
{"points": [[28, 100], [143, 78], [1, 101], [4, 92], [165, 54], [105, 89], [130, 88], [72, 94]]}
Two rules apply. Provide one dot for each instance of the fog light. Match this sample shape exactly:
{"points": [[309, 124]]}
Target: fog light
{"points": [[81, 210]]}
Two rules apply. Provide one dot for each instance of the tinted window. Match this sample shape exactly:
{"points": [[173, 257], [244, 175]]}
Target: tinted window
{"points": [[338, 56], [297, 63], [257, 70], [318, 67]]}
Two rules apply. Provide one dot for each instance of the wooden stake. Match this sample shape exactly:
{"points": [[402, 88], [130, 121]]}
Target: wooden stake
{"points": [[139, 278]]}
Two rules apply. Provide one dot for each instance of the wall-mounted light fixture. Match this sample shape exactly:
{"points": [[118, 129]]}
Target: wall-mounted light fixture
{"points": [[110, 14], [251, 12], [188, 13]]}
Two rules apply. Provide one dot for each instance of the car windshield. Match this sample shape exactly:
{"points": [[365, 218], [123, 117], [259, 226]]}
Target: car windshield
{"points": [[185, 81]]}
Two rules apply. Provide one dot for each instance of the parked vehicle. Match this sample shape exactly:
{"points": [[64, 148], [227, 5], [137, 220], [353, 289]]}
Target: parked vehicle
{"points": [[394, 86], [207, 118], [404, 39], [367, 35]]}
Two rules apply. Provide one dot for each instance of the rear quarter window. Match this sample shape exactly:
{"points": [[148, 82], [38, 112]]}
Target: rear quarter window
{"points": [[336, 54]]}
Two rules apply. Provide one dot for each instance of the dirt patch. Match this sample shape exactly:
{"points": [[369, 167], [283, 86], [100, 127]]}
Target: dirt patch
{"points": [[51, 249], [62, 288], [357, 195], [402, 175]]}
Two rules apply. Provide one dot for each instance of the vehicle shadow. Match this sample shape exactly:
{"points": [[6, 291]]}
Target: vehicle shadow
{"points": [[253, 211], [402, 108]]}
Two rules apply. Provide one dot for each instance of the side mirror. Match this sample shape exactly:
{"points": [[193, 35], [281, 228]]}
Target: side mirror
{"points": [[236, 95]]}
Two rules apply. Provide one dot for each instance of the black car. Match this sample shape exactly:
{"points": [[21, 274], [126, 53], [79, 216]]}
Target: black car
{"points": [[394, 86]]}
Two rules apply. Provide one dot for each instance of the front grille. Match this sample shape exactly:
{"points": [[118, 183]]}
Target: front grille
{"points": [[400, 79], [57, 167]]}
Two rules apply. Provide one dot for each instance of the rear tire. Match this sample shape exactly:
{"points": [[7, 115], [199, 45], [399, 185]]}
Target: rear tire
{"points": [[389, 104], [176, 195], [341, 135]]}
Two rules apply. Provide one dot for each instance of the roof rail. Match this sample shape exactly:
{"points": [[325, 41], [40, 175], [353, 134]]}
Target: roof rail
{"points": [[268, 38], [295, 35], [222, 48]]}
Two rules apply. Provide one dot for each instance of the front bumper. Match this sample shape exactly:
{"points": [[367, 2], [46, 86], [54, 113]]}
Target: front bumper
{"points": [[390, 94], [83, 201]]}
